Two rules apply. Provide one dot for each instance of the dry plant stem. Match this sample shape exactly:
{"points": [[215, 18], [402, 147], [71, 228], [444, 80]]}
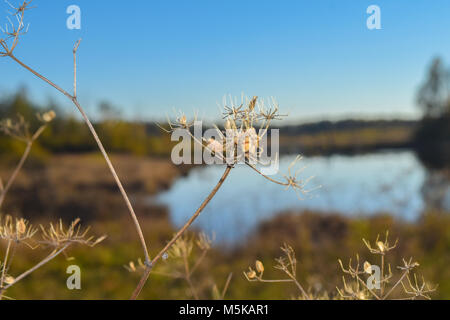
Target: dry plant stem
{"points": [[50, 257], [396, 285], [299, 286], [15, 172], [97, 140], [199, 261], [267, 177], [188, 277], [227, 284], [5, 262], [382, 276], [180, 232], [368, 289]]}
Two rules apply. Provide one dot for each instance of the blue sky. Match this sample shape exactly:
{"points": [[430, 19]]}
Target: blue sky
{"points": [[317, 58]]}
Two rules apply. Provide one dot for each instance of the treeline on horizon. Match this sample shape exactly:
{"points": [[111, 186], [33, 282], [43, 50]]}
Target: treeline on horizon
{"points": [[68, 134], [429, 136]]}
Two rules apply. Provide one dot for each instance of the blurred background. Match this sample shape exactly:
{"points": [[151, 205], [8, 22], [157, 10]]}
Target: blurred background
{"points": [[368, 109]]}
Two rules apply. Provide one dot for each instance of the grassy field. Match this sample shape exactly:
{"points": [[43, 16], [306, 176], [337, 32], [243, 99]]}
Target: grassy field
{"points": [[319, 240], [45, 191]]}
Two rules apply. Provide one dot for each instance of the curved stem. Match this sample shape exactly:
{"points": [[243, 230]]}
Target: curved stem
{"points": [[97, 140], [180, 232], [284, 184], [37, 266], [15, 172]]}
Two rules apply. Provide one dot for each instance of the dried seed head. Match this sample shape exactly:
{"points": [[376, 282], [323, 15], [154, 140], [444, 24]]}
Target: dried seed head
{"points": [[49, 116], [251, 274], [381, 246], [228, 125], [183, 120], [259, 266], [9, 280], [21, 226], [361, 296], [252, 104], [367, 267], [132, 266]]}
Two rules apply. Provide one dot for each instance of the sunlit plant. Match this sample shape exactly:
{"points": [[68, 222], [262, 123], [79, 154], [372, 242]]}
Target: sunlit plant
{"points": [[249, 121]]}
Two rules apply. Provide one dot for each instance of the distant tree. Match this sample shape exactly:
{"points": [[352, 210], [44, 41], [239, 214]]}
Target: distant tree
{"points": [[434, 95], [432, 138]]}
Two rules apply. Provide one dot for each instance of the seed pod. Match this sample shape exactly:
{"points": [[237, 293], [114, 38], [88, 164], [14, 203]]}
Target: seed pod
{"points": [[367, 267], [252, 104], [259, 266], [9, 280], [49, 116], [251, 274], [20, 226], [381, 246]]}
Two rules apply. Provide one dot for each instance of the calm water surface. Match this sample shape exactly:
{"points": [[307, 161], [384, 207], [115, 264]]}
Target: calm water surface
{"points": [[351, 185]]}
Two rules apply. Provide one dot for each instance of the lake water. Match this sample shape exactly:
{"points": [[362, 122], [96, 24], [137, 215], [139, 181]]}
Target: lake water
{"points": [[351, 185]]}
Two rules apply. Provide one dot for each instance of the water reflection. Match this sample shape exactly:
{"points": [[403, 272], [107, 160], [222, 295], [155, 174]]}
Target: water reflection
{"points": [[390, 182], [436, 190]]}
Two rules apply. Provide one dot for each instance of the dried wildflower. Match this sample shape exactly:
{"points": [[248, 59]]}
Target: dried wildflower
{"points": [[58, 236], [182, 247], [417, 290], [259, 266], [287, 264], [204, 242], [367, 267], [47, 116], [18, 128], [382, 289], [382, 247], [251, 274], [9, 280], [16, 230], [20, 226], [180, 122]]}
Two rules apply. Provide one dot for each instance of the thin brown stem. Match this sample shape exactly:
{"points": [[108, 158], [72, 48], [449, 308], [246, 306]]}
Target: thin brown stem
{"points": [[227, 284], [41, 77], [396, 284], [15, 172], [75, 49], [188, 277], [99, 143], [267, 177], [299, 286], [5, 262], [180, 232], [368, 289], [50, 257], [199, 261], [382, 276]]}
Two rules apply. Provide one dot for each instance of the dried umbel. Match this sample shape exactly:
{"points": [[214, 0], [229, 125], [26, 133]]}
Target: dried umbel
{"points": [[246, 124], [14, 28], [20, 129], [383, 288], [287, 264], [17, 230], [58, 236]]}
